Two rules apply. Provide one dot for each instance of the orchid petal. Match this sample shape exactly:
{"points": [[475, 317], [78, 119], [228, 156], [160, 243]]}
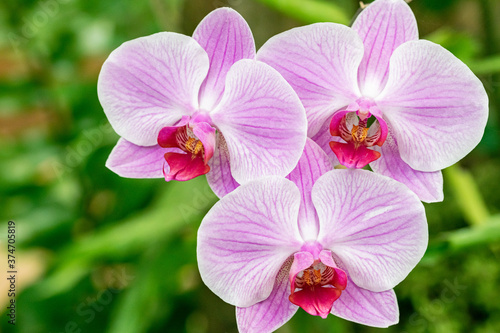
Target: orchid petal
{"points": [[219, 178], [378, 309], [436, 106], [312, 165], [149, 83], [375, 225], [273, 312], [427, 185], [262, 120], [246, 237], [132, 161], [321, 62], [226, 37], [323, 139], [383, 26]]}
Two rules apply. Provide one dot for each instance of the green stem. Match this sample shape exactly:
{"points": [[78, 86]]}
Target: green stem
{"points": [[464, 239], [488, 233], [310, 11], [488, 65], [488, 10], [467, 194]]}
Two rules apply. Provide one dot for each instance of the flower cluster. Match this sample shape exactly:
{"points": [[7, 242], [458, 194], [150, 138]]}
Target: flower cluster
{"points": [[268, 129]]}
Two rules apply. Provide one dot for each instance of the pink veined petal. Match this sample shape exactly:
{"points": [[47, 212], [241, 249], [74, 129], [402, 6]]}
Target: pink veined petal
{"points": [[246, 237], [320, 61], [436, 106], [312, 164], [377, 309], [132, 161], [273, 312], [262, 120], [427, 185], [323, 139], [375, 225], [383, 26], [149, 83], [219, 178], [227, 38]]}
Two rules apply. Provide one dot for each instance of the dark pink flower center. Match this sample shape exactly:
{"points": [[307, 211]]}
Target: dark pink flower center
{"points": [[189, 143], [316, 288], [191, 161], [352, 126]]}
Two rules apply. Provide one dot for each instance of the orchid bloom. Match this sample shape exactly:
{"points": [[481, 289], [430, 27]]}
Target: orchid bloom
{"points": [[333, 241], [188, 106], [375, 94]]}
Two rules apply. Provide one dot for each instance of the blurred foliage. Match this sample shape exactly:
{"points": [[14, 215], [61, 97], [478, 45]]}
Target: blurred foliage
{"points": [[100, 253]]}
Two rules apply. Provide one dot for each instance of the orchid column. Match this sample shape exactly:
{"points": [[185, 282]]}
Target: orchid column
{"points": [[186, 106]]}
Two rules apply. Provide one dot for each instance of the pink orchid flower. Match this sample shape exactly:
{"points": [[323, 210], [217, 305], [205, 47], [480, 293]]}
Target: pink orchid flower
{"points": [[333, 241], [188, 106], [375, 94]]}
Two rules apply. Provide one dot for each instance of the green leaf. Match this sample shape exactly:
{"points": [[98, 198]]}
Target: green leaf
{"points": [[487, 233], [482, 235], [310, 11], [488, 65], [181, 204], [467, 194]]}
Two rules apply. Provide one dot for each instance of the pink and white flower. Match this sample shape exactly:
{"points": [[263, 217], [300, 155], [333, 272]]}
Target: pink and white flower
{"points": [[333, 241], [376, 94], [187, 106]]}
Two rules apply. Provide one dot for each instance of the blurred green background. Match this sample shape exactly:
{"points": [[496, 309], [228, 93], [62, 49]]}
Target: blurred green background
{"points": [[100, 253]]}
